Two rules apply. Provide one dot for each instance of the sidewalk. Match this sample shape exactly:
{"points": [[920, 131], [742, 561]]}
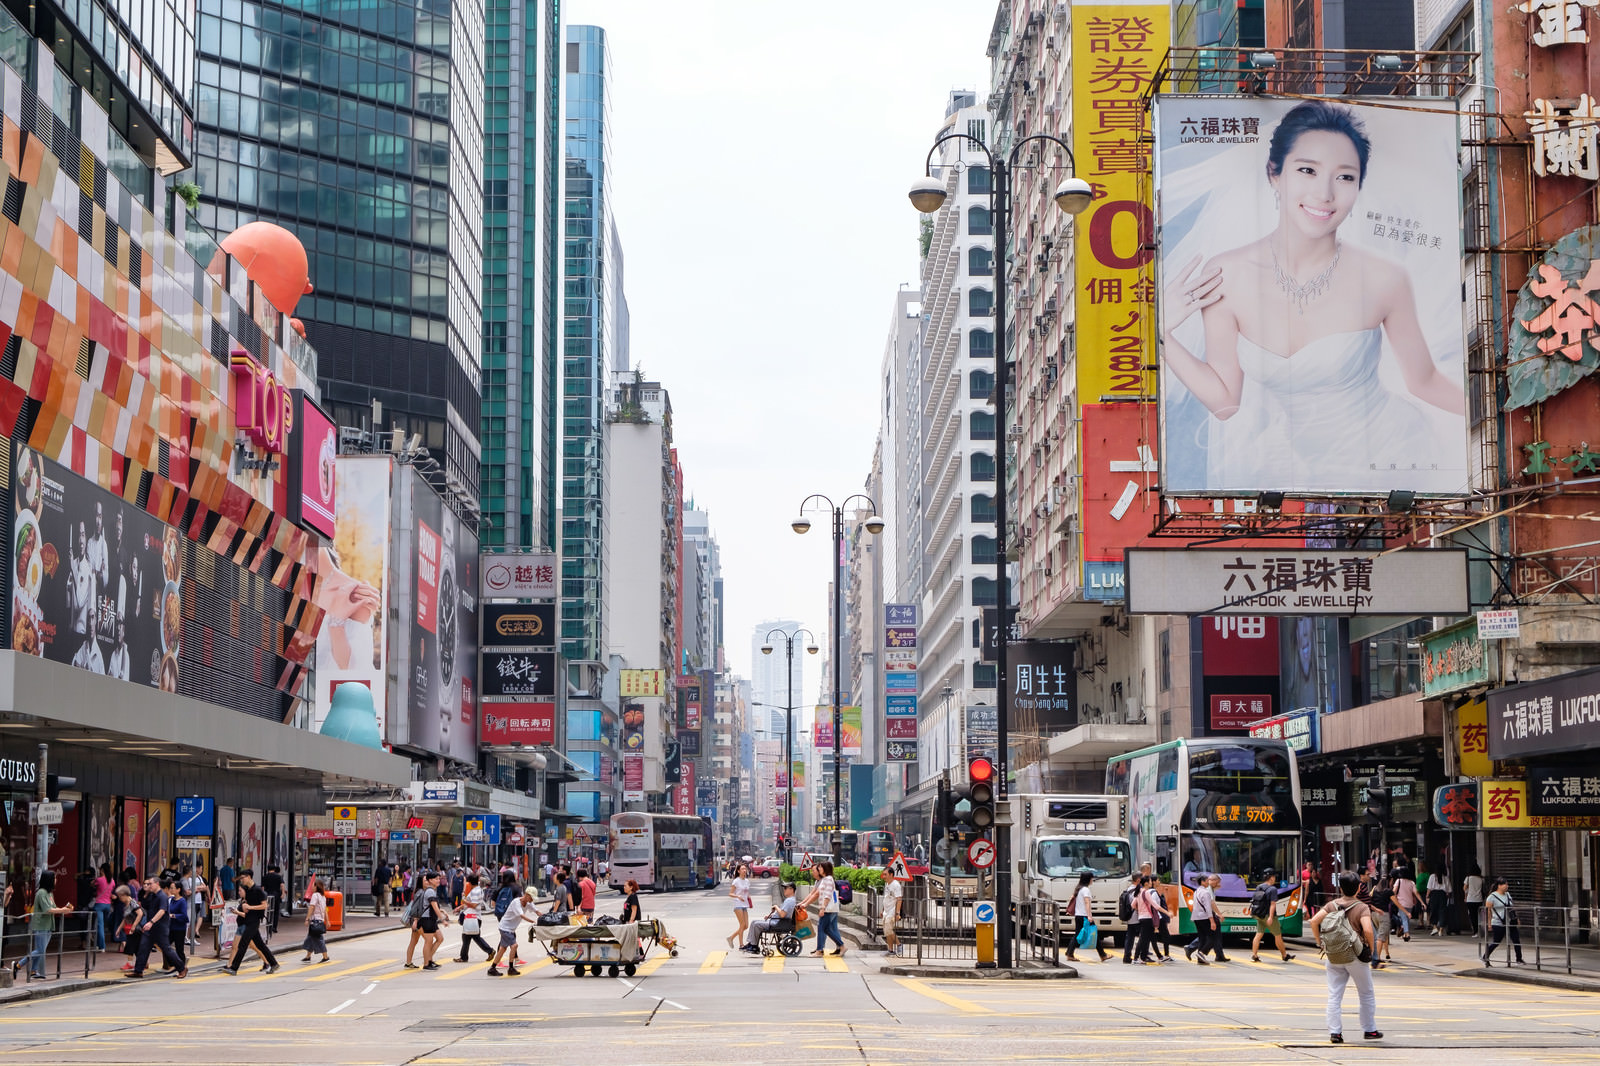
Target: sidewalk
{"points": [[1458, 956]]}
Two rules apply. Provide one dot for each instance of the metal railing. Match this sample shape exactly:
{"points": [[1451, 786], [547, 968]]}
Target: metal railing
{"points": [[936, 927], [1550, 939], [73, 934]]}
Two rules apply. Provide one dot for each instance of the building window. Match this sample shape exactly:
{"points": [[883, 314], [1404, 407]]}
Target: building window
{"points": [[982, 466], [984, 552], [984, 676], [1164, 658], [980, 344], [980, 303], [980, 383], [980, 262], [981, 425], [982, 508], [978, 180], [983, 592], [978, 222], [977, 632]]}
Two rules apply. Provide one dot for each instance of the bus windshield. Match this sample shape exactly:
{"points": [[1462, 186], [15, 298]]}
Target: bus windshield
{"points": [[1240, 859], [1240, 769], [1063, 857]]}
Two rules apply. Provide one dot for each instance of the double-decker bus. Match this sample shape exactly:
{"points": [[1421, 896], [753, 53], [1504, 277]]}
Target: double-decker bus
{"points": [[660, 851], [875, 847], [1229, 806]]}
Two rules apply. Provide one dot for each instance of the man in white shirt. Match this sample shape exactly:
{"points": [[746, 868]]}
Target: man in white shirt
{"points": [[119, 666], [88, 656], [1206, 923], [780, 919], [97, 553], [893, 893], [518, 911]]}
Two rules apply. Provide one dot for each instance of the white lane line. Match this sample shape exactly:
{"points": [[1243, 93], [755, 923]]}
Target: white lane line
{"points": [[369, 988], [661, 999], [341, 1006]]}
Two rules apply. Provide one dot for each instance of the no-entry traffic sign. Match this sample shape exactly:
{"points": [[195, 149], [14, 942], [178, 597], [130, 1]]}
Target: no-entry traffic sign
{"points": [[980, 853]]}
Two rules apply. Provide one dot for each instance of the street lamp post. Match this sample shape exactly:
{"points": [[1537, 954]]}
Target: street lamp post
{"points": [[1073, 195], [874, 526], [788, 711]]}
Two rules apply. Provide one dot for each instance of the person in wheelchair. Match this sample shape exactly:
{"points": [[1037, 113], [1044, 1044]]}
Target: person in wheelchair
{"points": [[779, 920]]}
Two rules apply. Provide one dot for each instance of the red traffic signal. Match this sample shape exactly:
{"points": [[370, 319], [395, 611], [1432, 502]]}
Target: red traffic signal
{"points": [[980, 769]]}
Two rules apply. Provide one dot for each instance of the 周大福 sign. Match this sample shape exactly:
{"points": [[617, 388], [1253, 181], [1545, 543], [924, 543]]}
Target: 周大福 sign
{"points": [[1296, 581], [1544, 717]]}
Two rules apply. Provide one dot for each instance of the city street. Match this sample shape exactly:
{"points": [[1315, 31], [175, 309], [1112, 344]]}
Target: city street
{"points": [[364, 1007]]}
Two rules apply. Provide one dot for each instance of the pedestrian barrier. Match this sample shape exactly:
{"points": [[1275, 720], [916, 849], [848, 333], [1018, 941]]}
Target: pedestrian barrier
{"points": [[1550, 939], [73, 934], [934, 926]]}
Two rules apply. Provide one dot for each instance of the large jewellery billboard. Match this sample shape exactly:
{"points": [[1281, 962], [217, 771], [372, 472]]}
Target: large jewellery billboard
{"points": [[1296, 581], [1310, 312]]}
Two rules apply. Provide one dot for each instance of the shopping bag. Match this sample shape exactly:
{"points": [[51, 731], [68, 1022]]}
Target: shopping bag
{"points": [[1089, 935]]}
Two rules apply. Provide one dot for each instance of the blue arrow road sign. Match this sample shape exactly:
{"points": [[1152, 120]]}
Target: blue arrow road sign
{"points": [[984, 911]]}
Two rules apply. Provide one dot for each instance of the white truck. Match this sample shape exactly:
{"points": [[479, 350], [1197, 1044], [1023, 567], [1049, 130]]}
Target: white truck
{"points": [[1055, 838]]}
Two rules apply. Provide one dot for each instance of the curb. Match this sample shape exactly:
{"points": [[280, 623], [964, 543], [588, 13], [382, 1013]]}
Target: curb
{"points": [[1062, 973], [1534, 977]]}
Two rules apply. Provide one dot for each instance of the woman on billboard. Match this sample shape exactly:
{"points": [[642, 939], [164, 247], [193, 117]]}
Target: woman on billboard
{"points": [[1294, 325]]}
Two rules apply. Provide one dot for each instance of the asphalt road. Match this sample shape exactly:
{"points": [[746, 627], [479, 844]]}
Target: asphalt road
{"points": [[707, 1005]]}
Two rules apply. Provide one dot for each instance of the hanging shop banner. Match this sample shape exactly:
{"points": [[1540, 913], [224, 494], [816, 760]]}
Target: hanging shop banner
{"points": [[901, 706], [1299, 730], [1544, 717], [901, 750], [1013, 630], [519, 625], [1472, 740], [1511, 805], [635, 683], [1043, 687], [1453, 659], [899, 614], [850, 731], [1116, 49], [1298, 581], [1309, 404], [983, 733], [822, 728], [689, 742]]}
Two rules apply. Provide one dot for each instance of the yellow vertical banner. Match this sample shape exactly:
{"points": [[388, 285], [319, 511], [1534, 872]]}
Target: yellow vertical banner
{"points": [[1116, 49], [1472, 740]]}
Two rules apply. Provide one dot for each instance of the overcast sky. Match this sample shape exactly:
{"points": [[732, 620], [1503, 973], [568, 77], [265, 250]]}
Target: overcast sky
{"points": [[761, 153]]}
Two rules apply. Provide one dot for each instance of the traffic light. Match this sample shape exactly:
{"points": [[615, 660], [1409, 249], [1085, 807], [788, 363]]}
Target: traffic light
{"points": [[980, 793], [54, 783], [946, 808], [1379, 805]]}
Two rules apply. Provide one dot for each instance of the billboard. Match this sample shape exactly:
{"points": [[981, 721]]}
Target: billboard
{"points": [[442, 624], [313, 474], [1296, 581], [1545, 717], [353, 587], [519, 723], [1310, 318], [519, 625], [519, 576], [96, 582], [1116, 48], [632, 683], [519, 673]]}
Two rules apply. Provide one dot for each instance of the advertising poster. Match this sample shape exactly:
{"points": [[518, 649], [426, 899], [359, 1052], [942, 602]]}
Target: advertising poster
{"points": [[519, 625], [313, 468], [96, 582], [529, 724], [227, 817], [1310, 315], [252, 849], [822, 730], [157, 835], [102, 833], [850, 730], [632, 778], [353, 591], [633, 726], [133, 836], [1116, 48], [444, 625]]}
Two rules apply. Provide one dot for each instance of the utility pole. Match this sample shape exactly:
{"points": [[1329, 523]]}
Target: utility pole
{"points": [[41, 861]]}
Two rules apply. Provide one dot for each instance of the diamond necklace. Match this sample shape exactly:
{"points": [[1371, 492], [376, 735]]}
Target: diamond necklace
{"points": [[1294, 290]]}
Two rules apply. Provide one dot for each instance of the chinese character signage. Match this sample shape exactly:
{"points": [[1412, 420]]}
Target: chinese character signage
{"points": [[519, 723], [632, 778], [899, 686], [822, 729], [1296, 581], [519, 625], [1298, 730], [1549, 799], [1544, 717], [1239, 646], [634, 683], [1454, 659], [1564, 790], [1555, 325], [1119, 499], [1456, 806], [1116, 48], [691, 715], [1557, 22], [1505, 624], [515, 673], [1042, 689], [1472, 740], [983, 733], [519, 575], [1239, 712], [899, 614], [1566, 139], [900, 637], [1266, 384]]}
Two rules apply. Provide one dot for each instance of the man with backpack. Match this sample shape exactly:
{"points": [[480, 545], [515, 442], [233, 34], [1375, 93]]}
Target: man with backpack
{"points": [[1343, 930], [1127, 909], [1264, 908]]}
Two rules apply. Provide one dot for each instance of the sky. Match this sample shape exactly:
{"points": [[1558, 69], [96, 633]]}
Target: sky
{"points": [[761, 155]]}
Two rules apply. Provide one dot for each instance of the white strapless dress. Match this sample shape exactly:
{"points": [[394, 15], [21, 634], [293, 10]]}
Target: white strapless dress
{"points": [[1320, 420]]}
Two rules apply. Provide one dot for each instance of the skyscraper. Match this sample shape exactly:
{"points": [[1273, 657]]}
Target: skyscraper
{"points": [[359, 127], [594, 340], [521, 271]]}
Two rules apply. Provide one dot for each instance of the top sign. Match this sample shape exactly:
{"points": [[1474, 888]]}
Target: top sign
{"points": [[1296, 581], [518, 575], [261, 405]]}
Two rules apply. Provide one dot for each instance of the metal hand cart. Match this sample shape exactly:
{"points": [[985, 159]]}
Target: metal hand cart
{"points": [[614, 949]]}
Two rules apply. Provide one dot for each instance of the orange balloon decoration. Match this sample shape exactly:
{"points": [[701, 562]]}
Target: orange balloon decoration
{"points": [[274, 259]]}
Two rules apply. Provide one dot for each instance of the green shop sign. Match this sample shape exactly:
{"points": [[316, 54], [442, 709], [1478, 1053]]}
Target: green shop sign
{"points": [[1454, 659]]}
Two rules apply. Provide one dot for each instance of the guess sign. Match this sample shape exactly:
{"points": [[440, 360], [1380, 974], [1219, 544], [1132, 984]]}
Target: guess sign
{"points": [[261, 405]]}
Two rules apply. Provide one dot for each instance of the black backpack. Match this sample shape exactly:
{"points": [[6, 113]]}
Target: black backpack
{"points": [[1125, 903], [1261, 903], [502, 900]]}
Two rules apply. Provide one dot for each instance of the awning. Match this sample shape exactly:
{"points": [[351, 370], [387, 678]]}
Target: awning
{"points": [[561, 768]]}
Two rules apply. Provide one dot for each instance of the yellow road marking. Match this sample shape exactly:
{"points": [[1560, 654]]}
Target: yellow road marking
{"points": [[461, 969], [536, 964], [924, 989], [834, 964], [650, 966], [349, 971], [713, 961], [772, 964], [397, 973]]}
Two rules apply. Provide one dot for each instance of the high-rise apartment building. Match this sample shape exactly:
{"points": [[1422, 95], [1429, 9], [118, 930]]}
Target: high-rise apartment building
{"points": [[360, 129], [522, 144], [773, 678], [593, 339]]}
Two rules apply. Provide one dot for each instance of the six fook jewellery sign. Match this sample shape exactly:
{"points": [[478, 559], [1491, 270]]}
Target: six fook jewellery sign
{"points": [[1297, 582]]}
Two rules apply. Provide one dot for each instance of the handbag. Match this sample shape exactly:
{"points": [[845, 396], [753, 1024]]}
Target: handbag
{"points": [[470, 925], [316, 927], [1089, 935]]}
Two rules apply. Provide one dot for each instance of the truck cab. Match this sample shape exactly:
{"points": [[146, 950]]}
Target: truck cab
{"points": [[1056, 838]]}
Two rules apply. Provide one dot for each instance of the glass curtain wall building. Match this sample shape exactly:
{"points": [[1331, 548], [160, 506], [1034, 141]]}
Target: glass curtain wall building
{"points": [[359, 127], [521, 271], [591, 315]]}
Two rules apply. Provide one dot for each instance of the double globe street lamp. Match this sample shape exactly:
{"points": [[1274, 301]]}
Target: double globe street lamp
{"points": [[874, 525], [1073, 195], [788, 711]]}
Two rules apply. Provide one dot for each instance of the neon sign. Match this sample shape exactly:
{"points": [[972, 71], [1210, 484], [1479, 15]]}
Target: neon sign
{"points": [[261, 406]]}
